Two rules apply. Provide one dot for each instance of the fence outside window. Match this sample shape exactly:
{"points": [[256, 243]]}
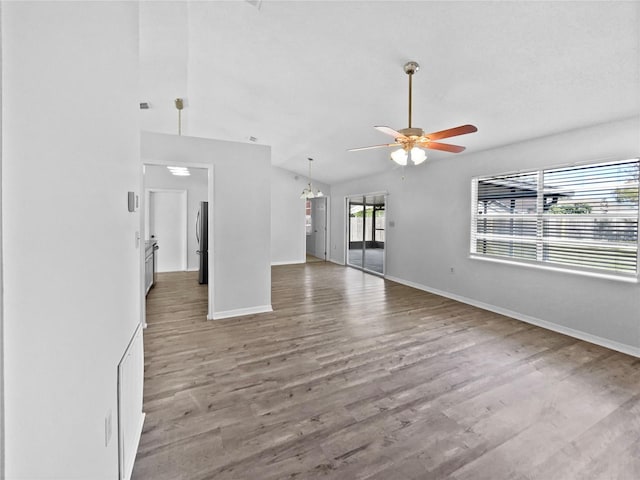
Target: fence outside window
{"points": [[580, 217]]}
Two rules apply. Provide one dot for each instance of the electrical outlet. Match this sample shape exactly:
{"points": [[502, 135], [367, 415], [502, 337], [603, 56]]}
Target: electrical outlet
{"points": [[108, 428]]}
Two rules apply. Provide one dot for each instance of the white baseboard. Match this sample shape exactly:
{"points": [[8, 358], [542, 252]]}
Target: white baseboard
{"points": [[242, 311], [587, 337], [196, 269], [287, 262], [338, 263]]}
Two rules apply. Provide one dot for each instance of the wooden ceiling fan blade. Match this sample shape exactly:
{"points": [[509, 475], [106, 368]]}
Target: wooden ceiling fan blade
{"points": [[445, 147], [451, 132], [389, 131], [373, 146]]}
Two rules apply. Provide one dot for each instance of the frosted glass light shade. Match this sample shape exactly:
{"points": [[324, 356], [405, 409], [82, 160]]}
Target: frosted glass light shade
{"points": [[399, 156], [308, 193], [418, 155]]}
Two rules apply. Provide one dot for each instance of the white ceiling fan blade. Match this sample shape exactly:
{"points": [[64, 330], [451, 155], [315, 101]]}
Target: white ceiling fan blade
{"points": [[373, 146], [390, 131]]}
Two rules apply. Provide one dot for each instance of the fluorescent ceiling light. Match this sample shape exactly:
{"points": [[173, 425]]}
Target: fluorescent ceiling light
{"points": [[179, 171]]}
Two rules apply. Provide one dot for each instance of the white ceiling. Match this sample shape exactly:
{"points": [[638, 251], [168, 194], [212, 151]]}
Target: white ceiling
{"points": [[311, 79]]}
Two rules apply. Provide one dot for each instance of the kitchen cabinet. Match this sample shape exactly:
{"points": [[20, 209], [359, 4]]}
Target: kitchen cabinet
{"points": [[150, 264]]}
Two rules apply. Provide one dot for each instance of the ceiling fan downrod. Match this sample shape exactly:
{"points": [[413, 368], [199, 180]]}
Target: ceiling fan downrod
{"points": [[410, 68]]}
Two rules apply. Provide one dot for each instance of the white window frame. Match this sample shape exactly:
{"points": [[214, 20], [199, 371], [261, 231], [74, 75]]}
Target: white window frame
{"points": [[538, 218]]}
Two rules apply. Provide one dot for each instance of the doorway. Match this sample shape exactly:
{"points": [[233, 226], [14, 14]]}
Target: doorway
{"points": [[167, 214], [166, 179], [316, 227], [366, 223]]}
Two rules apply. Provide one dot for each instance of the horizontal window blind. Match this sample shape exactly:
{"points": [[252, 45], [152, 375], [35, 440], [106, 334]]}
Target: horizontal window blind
{"points": [[582, 217]]}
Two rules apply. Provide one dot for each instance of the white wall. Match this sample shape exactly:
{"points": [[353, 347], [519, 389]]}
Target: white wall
{"points": [[431, 211], [241, 216], [288, 216], [164, 47], [71, 263], [1, 281], [156, 176]]}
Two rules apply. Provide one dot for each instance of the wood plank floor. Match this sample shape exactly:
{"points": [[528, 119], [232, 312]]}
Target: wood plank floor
{"points": [[355, 377]]}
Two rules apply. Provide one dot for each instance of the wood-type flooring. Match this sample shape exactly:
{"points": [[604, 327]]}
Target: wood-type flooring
{"points": [[356, 377]]}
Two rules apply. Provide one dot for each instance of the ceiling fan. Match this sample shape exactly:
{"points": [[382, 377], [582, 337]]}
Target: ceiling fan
{"points": [[412, 141]]}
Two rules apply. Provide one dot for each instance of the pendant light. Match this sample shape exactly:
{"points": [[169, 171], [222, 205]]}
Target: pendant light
{"points": [[308, 192]]}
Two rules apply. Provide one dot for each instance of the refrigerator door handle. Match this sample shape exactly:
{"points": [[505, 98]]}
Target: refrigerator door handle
{"points": [[197, 224]]}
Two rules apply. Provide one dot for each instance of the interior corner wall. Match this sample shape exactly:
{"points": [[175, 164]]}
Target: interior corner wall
{"points": [[430, 209], [241, 215], [288, 236], [70, 140]]}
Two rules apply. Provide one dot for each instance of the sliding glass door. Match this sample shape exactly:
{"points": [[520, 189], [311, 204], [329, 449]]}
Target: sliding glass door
{"points": [[366, 232]]}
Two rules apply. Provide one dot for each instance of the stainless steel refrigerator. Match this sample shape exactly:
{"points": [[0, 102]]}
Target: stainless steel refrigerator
{"points": [[202, 235]]}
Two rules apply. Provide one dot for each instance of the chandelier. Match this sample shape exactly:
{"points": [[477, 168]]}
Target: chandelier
{"points": [[308, 192]]}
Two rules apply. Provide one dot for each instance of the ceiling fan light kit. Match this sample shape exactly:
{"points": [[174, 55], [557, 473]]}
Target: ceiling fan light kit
{"points": [[413, 141], [416, 155], [399, 156]]}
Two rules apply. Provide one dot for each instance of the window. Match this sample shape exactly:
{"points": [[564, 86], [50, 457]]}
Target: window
{"points": [[307, 222], [580, 217]]}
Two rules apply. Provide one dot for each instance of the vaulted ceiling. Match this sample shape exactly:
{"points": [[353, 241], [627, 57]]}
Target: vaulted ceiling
{"points": [[311, 79]]}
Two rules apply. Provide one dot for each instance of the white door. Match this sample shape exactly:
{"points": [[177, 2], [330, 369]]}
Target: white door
{"points": [[168, 225], [319, 223]]}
